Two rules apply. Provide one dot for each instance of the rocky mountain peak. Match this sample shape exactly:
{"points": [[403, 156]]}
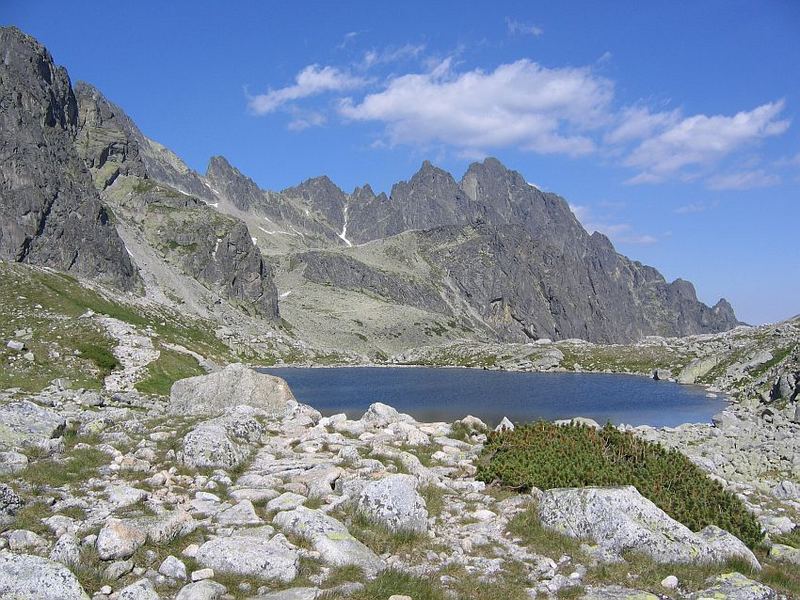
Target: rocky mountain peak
{"points": [[50, 212], [236, 187]]}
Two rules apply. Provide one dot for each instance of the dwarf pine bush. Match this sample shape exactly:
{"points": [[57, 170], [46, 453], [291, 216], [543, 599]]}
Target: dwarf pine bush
{"points": [[546, 456]]}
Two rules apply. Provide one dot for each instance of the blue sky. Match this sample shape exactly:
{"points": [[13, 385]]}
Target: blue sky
{"points": [[670, 126]]}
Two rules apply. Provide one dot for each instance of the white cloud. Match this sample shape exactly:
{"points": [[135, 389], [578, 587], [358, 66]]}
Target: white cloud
{"points": [[311, 81], [305, 120], [744, 180], [675, 143], [636, 123], [521, 103], [691, 208], [519, 28], [390, 55], [348, 37]]}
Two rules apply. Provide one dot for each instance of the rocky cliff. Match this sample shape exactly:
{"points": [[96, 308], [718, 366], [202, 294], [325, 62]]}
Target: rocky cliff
{"points": [[50, 213], [147, 187]]}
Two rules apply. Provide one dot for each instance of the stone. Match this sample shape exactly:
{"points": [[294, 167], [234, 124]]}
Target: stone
{"points": [[286, 501], [242, 513], [300, 593], [670, 582], [66, 550], [125, 495], [15, 345], [662, 374], [214, 394], [119, 539], [118, 569], [140, 590], [786, 490], [27, 424], [10, 504], [735, 586], [169, 526], [250, 556], [202, 574], [26, 577], [399, 597], [505, 425], [616, 592], [381, 415], [12, 462], [620, 519], [395, 503], [202, 590], [23, 539], [223, 442], [786, 554], [330, 538], [173, 568]]}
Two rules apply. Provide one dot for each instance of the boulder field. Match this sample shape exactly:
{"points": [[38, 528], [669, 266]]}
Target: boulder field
{"points": [[233, 489]]}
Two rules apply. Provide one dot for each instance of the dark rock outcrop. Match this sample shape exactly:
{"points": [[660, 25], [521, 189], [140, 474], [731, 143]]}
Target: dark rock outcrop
{"points": [[213, 248], [346, 272], [50, 213]]}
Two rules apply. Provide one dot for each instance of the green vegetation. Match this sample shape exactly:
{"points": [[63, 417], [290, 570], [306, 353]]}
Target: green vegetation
{"points": [[77, 466], [101, 356], [166, 370], [789, 539], [546, 456], [48, 311], [394, 581]]}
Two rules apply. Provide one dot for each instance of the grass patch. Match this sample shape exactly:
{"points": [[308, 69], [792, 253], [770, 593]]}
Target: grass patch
{"points": [[788, 539], [101, 356], [394, 581], [169, 367], [527, 527], [434, 499], [77, 466], [547, 456]]}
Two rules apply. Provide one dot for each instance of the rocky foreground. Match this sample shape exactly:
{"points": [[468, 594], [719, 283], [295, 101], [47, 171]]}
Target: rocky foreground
{"points": [[232, 489]]}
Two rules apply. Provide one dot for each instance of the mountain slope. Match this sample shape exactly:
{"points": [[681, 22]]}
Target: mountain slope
{"points": [[50, 214]]}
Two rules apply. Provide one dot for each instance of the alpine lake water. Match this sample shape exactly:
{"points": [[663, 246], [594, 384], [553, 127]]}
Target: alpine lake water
{"points": [[448, 394]]}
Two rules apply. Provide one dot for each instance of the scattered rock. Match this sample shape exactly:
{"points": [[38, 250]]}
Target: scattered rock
{"points": [[236, 384], [119, 539], [620, 519], [395, 503], [250, 556], [27, 577], [735, 586]]}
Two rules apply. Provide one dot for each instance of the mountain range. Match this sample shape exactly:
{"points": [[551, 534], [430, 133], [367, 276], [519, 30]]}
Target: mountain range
{"points": [[488, 257]]}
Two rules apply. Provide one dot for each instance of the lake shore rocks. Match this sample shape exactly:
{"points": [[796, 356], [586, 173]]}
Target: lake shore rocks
{"points": [[235, 385], [184, 506], [620, 519]]}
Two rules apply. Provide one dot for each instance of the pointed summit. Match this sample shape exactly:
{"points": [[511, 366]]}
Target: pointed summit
{"points": [[232, 184]]}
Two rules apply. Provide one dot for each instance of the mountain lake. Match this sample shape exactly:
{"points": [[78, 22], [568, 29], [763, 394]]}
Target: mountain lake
{"points": [[448, 394]]}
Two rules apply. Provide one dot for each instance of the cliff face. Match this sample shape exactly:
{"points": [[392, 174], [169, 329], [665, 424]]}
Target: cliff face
{"points": [[148, 190], [50, 213]]}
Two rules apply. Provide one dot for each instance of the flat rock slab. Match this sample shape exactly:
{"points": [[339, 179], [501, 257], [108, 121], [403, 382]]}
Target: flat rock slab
{"points": [[236, 384], [735, 586], [620, 519], [250, 556], [330, 538], [616, 592], [27, 424], [26, 577], [395, 503]]}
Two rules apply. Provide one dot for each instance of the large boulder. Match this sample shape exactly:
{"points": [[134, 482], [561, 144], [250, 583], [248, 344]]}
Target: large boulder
{"points": [[620, 519], [250, 556], [395, 503], [223, 442], [10, 503], [735, 586], [119, 539], [27, 424], [27, 577], [214, 394], [330, 538]]}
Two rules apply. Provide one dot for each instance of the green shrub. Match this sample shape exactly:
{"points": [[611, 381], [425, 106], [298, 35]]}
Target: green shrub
{"points": [[547, 456], [101, 356]]}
